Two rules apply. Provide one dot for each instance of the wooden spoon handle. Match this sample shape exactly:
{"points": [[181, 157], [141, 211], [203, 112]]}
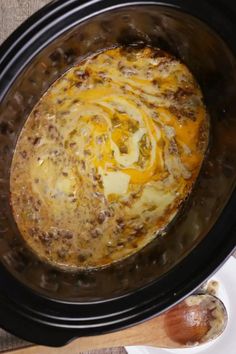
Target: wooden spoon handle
{"points": [[148, 333]]}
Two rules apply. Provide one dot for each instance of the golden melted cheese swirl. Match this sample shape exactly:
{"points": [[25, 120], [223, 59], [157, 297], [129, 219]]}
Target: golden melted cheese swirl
{"points": [[107, 156]]}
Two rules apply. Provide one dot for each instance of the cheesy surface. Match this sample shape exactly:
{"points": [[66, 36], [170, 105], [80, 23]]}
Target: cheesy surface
{"points": [[107, 156]]}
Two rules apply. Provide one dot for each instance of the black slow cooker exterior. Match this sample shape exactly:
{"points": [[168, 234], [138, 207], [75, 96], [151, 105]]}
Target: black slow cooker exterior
{"points": [[47, 306]]}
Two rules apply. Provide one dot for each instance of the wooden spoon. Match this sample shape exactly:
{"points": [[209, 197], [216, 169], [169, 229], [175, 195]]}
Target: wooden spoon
{"points": [[196, 320]]}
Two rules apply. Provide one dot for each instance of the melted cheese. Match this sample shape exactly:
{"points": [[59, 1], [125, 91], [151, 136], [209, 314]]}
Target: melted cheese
{"points": [[107, 156], [114, 182]]}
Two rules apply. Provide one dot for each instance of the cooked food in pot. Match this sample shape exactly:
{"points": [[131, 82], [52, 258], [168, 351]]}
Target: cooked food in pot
{"points": [[107, 156]]}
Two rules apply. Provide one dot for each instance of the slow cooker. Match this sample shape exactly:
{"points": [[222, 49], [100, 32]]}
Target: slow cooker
{"points": [[45, 305]]}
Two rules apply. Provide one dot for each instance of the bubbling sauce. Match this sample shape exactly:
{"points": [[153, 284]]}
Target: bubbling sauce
{"points": [[107, 156]]}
